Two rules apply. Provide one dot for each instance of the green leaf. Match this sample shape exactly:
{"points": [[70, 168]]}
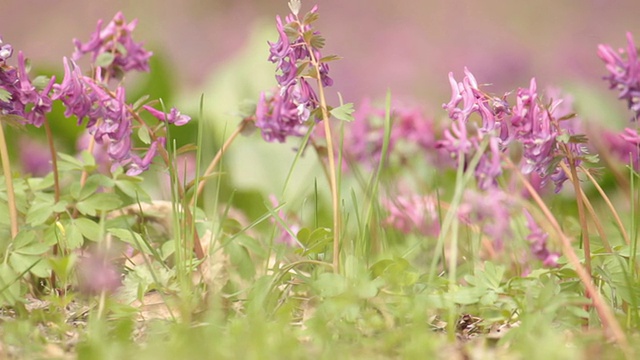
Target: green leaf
{"points": [[310, 18], [39, 213], [98, 202], [40, 81], [143, 135], [9, 286], [303, 236], [330, 284], [73, 236], [130, 186], [329, 58], [138, 103], [132, 238], [92, 184], [186, 149], [32, 249], [23, 239], [343, 112], [591, 158], [68, 163], [317, 41], [15, 121], [88, 159], [578, 139], [105, 59], [23, 263], [247, 108], [492, 275], [563, 138], [5, 96], [88, 228]]}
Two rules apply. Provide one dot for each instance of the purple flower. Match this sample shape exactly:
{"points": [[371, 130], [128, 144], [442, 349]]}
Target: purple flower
{"points": [[99, 151], [97, 274], [21, 97], [173, 117], [115, 41], [538, 240], [278, 117], [529, 122], [74, 93], [284, 113], [625, 145], [624, 72], [534, 129], [34, 156], [138, 165], [109, 119], [6, 50], [411, 132], [491, 210]]}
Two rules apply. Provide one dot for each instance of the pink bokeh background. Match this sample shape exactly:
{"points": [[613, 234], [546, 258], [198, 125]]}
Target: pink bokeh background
{"points": [[407, 46]]}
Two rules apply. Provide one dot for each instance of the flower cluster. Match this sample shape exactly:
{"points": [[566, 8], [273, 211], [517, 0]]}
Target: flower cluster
{"points": [[411, 131], [113, 48], [624, 75], [624, 145], [624, 72], [491, 210], [18, 96], [110, 119], [286, 111], [530, 122]]}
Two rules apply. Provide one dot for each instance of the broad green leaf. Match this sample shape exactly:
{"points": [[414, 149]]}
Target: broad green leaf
{"points": [[5, 96], [40, 82], [138, 103], [93, 183], [9, 285], [98, 202], [73, 236], [88, 159], [88, 228], [34, 249], [21, 263], [130, 237], [69, 163], [143, 135], [330, 284], [105, 59], [130, 186], [39, 213], [343, 112], [310, 17]]}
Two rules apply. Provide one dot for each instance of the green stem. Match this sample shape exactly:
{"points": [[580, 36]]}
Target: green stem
{"points": [[606, 315], [333, 178], [216, 159], [54, 161], [8, 178]]}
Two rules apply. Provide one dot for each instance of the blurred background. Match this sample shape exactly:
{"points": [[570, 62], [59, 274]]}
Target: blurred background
{"points": [[218, 49], [407, 46]]}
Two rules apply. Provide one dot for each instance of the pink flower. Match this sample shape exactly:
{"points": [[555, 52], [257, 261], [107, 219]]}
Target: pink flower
{"points": [[173, 117], [22, 98], [412, 213], [115, 42], [624, 72]]}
